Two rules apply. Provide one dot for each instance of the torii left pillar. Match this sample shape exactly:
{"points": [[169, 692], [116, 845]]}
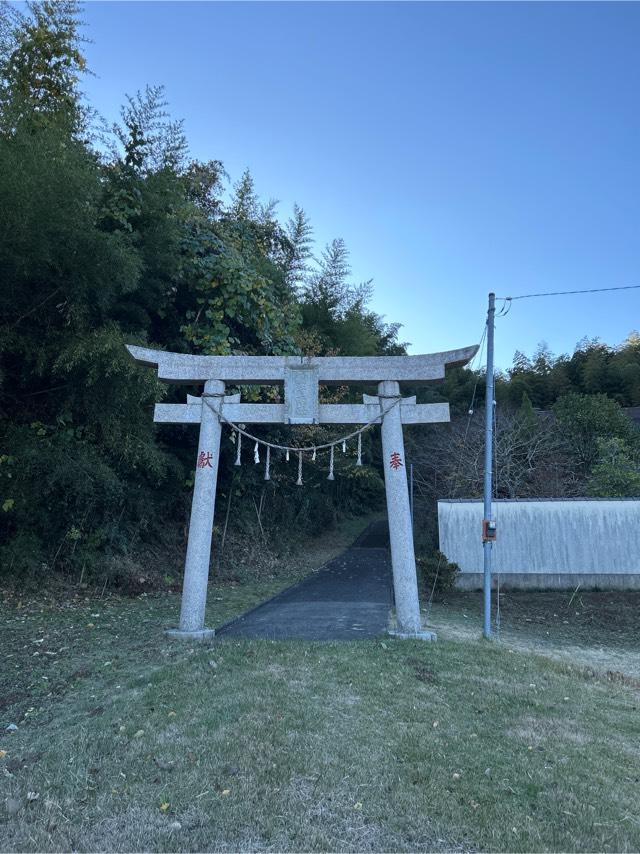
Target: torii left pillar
{"points": [[196, 570]]}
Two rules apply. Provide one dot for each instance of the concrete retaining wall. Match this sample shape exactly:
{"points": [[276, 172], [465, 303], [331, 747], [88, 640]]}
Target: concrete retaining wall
{"points": [[548, 542]]}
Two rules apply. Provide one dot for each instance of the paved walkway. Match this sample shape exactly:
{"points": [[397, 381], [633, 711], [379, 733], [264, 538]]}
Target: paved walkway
{"points": [[349, 598]]}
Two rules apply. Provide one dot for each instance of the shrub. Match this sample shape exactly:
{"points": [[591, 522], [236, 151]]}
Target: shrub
{"points": [[437, 573]]}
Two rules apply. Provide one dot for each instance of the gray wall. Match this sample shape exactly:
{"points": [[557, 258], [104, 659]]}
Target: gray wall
{"points": [[547, 542]]}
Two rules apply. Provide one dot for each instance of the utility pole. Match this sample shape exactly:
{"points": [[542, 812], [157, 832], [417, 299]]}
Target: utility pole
{"points": [[488, 523]]}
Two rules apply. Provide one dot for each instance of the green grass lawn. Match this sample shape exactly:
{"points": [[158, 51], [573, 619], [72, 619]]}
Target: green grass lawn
{"points": [[129, 742], [598, 629]]}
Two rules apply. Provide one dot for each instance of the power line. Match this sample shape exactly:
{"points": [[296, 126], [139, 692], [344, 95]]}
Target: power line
{"points": [[565, 293], [506, 306]]}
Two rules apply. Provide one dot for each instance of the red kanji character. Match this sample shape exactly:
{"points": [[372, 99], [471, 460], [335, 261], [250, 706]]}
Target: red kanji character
{"points": [[204, 459], [396, 461]]}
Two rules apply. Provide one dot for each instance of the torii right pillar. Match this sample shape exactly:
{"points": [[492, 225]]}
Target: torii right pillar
{"points": [[405, 585]]}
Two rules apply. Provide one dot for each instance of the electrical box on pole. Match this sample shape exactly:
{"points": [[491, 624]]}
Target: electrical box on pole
{"points": [[489, 531]]}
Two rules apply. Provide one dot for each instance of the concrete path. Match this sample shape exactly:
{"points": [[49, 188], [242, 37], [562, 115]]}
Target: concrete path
{"points": [[349, 598]]}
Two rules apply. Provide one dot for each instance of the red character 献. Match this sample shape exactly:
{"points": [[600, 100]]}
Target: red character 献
{"points": [[204, 459]]}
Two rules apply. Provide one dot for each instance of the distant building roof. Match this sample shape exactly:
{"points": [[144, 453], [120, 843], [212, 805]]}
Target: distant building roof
{"points": [[633, 412]]}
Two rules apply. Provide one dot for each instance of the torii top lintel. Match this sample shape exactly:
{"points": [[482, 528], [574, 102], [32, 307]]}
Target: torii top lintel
{"points": [[270, 370]]}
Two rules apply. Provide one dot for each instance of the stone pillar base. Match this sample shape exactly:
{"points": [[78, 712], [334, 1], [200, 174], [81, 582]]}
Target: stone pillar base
{"points": [[201, 635], [424, 635]]}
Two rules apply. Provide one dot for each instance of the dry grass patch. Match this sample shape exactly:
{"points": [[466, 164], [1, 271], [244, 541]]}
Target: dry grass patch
{"points": [[537, 731], [598, 629]]}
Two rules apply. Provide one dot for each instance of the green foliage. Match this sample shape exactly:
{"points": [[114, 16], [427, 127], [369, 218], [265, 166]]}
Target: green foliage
{"points": [[140, 245], [150, 139], [41, 67], [616, 473], [584, 419], [137, 246], [242, 300], [361, 488], [526, 413], [594, 368], [337, 310], [299, 255], [436, 574]]}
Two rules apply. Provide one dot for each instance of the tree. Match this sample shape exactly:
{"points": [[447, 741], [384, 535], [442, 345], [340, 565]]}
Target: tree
{"points": [[335, 312], [300, 234], [531, 458], [204, 186], [41, 68], [133, 246], [150, 139], [616, 473], [584, 419], [244, 202], [593, 368]]}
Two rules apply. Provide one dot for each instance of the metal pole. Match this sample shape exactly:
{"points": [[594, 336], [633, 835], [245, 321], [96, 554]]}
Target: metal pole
{"points": [[487, 538]]}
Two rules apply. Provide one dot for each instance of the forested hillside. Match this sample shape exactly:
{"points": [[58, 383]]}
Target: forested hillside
{"points": [[565, 426], [114, 235]]}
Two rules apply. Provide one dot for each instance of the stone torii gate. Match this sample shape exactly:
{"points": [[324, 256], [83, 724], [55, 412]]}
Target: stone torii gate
{"points": [[301, 377]]}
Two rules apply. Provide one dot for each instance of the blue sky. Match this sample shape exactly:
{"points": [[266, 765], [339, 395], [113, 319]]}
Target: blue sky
{"points": [[457, 148]]}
